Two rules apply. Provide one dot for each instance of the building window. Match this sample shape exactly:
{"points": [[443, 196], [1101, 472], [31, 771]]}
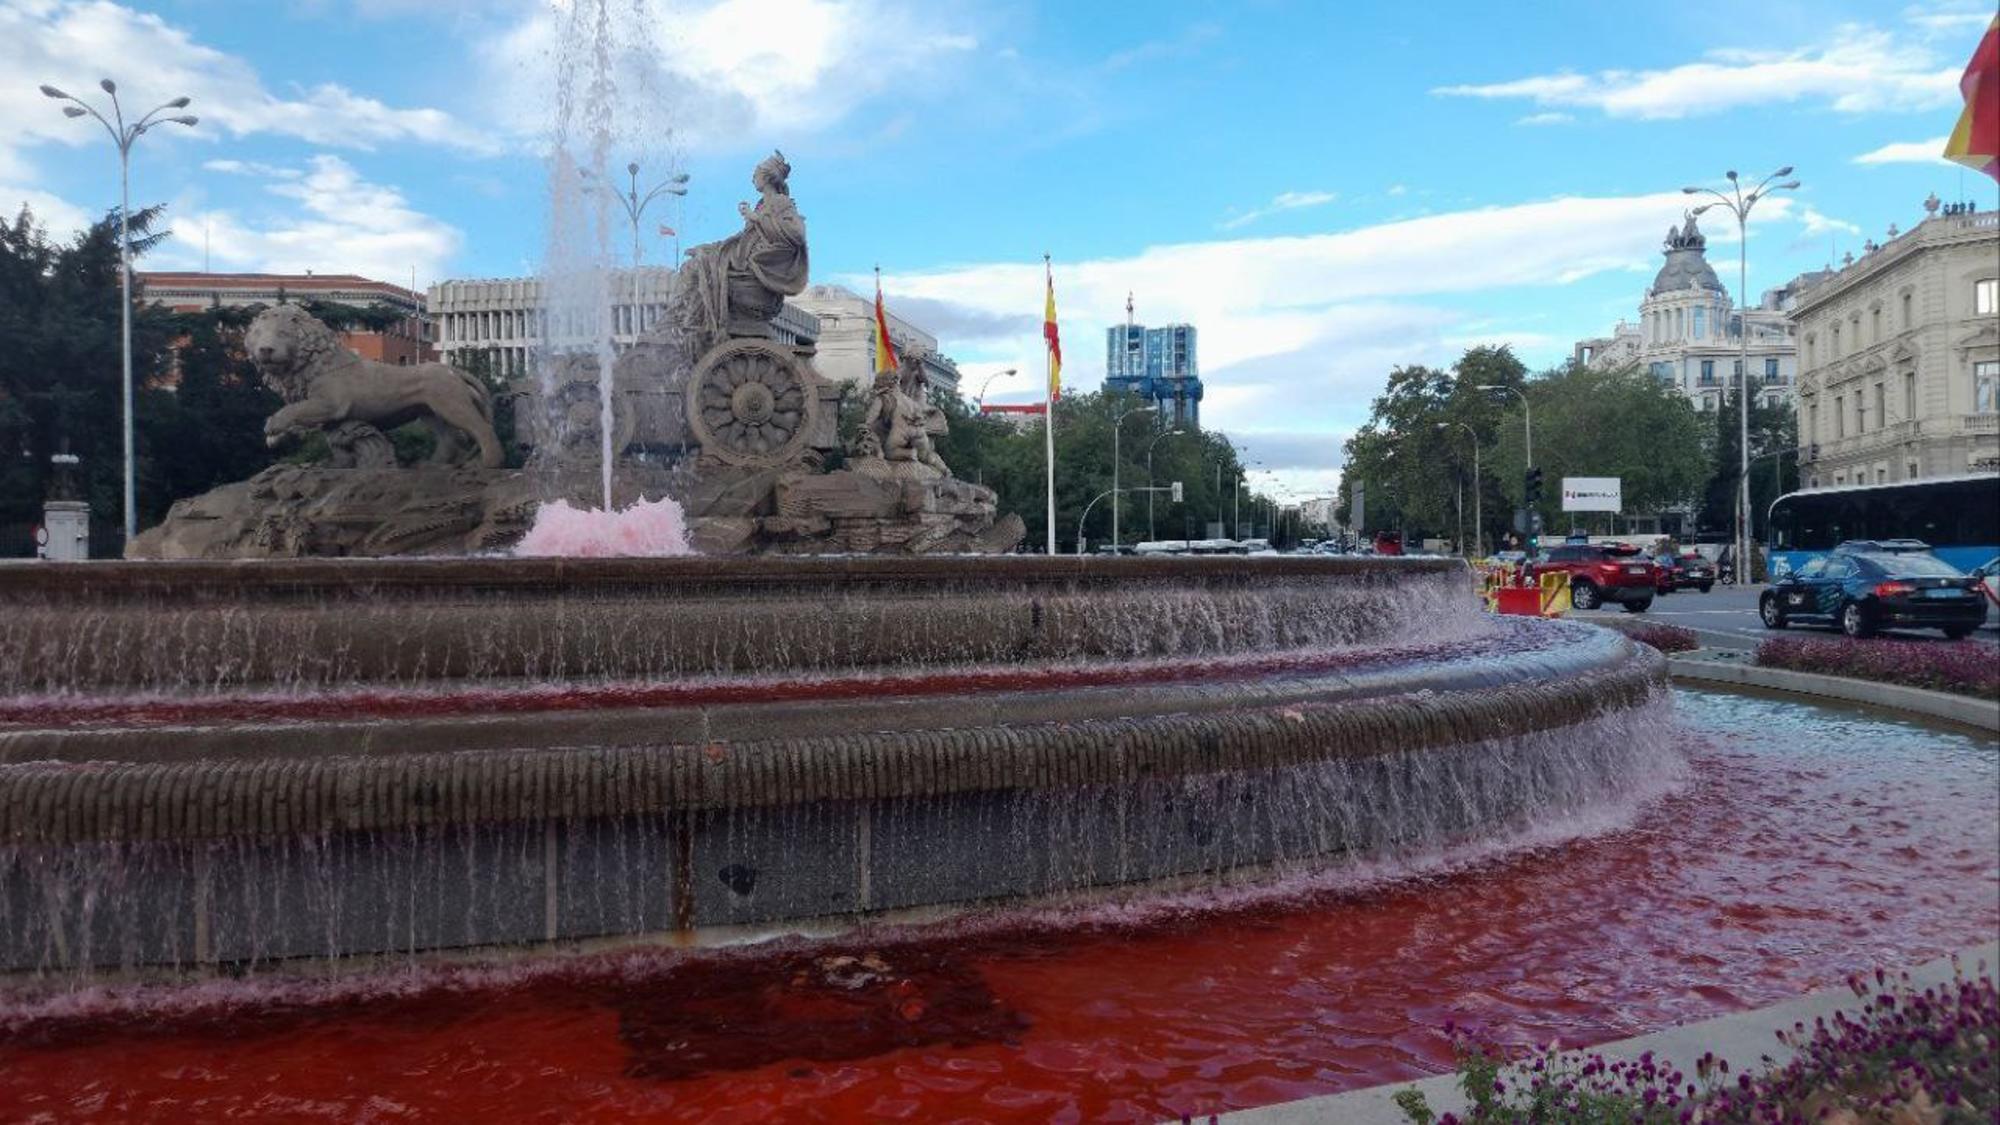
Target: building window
{"points": [[1986, 296], [1700, 322], [1986, 387], [1812, 423], [1840, 416], [1707, 372], [1881, 409], [1881, 474], [1771, 369], [1910, 471], [1875, 329], [1909, 395], [1809, 352], [1836, 341], [1907, 323]]}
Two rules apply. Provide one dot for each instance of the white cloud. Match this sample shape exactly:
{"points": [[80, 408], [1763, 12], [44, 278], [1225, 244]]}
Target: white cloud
{"points": [[1858, 70], [1907, 152], [1952, 18], [332, 221], [720, 70], [1283, 201], [1817, 224], [1546, 119], [58, 42]]}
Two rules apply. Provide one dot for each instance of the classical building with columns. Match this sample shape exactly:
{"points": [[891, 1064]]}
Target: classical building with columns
{"points": [[1900, 356], [1689, 335], [504, 316]]}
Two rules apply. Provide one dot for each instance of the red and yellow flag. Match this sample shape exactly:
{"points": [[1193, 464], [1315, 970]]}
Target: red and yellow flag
{"points": [[885, 350], [1975, 142], [1055, 340]]}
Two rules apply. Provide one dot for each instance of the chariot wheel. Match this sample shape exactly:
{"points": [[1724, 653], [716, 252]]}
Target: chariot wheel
{"points": [[751, 402]]}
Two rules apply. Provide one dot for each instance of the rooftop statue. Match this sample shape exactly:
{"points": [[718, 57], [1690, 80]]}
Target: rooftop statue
{"points": [[734, 287]]}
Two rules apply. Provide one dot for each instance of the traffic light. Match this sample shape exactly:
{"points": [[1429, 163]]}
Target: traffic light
{"points": [[1532, 492]]}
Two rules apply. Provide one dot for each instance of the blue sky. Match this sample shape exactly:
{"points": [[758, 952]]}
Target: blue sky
{"points": [[1326, 189]]}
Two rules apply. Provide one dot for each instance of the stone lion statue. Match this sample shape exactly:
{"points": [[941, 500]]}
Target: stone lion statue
{"points": [[326, 387]]}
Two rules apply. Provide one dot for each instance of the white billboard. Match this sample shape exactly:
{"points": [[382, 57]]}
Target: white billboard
{"points": [[1591, 494]]}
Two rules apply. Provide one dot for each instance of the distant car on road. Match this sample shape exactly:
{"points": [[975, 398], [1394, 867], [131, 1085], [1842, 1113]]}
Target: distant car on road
{"points": [[1863, 587], [1684, 572], [1604, 573]]}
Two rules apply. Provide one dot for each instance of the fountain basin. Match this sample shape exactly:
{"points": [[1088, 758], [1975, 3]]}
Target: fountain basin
{"points": [[386, 799]]}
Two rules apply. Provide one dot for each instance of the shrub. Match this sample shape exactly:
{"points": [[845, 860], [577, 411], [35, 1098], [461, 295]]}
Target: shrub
{"points": [[1907, 1056], [1964, 667], [1666, 638]]}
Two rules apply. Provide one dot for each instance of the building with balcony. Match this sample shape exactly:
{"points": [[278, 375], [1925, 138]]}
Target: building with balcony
{"points": [[847, 339], [1158, 365], [506, 318], [1690, 336], [407, 341], [1899, 355]]}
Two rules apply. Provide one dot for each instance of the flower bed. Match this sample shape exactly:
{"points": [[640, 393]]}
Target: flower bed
{"points": [[1666, 638], [1963, 667], [1926, 1058]]}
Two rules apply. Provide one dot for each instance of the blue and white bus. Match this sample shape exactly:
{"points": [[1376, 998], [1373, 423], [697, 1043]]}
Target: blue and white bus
{"points": [[1958, 516]]}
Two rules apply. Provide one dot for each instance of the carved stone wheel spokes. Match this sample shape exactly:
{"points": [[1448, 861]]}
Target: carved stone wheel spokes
{"points": [[751, 403]]}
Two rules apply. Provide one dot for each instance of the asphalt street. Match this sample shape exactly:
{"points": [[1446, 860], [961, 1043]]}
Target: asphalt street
{"points": [[1726, 617]]}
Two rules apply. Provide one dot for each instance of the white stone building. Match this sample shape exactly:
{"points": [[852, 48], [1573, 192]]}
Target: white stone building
{"points": [[1688, 333], [847, 338], [1900, 357], [505, 315]]}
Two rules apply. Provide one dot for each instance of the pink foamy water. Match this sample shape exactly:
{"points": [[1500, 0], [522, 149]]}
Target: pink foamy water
{"points": [[647, 529]]}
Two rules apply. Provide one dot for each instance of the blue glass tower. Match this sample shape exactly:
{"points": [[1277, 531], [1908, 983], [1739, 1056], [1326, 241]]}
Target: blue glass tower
{"points": [[1158, 365]]}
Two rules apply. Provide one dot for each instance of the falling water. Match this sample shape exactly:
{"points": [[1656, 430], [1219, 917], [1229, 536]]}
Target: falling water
{"points": [[603, 65]]}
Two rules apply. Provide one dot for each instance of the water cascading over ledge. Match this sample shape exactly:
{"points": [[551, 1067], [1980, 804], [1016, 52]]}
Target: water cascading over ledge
{"points": [[210, 763]]}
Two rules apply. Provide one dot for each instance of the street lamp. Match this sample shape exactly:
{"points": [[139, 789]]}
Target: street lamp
{"points": [[980, 402], [1152, 534], [1527, 417], [124, 136], [1117, 429], [635, 205], [1739, 205], [1478, 526]]}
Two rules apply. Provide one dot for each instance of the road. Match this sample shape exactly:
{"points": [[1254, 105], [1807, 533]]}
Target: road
{"points": [[1726, 617]]}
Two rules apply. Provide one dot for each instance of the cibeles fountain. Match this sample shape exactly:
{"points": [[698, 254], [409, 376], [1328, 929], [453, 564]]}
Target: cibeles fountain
{"points": [[709, 410], [334, 712]]}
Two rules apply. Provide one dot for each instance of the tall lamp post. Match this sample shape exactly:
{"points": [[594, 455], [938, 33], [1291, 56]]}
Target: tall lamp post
{"points": [[1478, 526], [1527, 418], [124, 136], [635, 205], [1118, 428], [1152, 533], [980, 402], [1739, 205]]}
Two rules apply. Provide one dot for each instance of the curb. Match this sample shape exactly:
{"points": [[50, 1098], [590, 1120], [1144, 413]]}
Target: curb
{"points": [[1978, 714], [1744, 1038]]}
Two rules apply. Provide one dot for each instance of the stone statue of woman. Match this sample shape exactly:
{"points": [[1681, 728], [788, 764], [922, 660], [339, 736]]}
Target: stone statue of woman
{"points": [[734, 287]]}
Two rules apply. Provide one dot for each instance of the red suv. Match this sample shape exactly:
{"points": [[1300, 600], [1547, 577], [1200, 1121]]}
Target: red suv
{"points": [[1599, 574]]}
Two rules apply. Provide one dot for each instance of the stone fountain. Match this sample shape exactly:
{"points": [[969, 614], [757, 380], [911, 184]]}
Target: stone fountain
{"points": [[214, 763], [709, 408]]}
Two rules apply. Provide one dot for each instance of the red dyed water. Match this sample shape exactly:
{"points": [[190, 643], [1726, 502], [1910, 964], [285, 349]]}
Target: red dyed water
{"points": [[1809, 844]]}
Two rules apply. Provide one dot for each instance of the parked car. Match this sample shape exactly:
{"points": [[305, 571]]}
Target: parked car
{"points": [[1859, 590], [1604, 573], [1685, 572]]}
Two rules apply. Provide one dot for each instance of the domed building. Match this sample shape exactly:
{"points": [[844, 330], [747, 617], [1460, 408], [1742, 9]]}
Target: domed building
{"points": [[1688, 333]]}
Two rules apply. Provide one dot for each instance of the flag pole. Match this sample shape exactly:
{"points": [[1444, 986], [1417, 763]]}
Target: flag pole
{"points": [[1049, 413]]}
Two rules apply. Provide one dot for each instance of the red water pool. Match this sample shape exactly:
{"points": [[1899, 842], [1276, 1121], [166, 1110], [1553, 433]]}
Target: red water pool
{"points": [[1805, 845]]}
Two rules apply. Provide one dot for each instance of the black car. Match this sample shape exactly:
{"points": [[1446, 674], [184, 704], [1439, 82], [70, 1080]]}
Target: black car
{"points": [[1860, 590], [1683, 572]]}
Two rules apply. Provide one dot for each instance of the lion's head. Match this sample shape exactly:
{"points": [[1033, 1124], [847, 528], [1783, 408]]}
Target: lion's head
{"points": [[288, 344]]}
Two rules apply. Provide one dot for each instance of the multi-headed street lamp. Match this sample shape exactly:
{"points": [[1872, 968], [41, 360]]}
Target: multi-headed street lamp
{"points": [[1739, 205], [1478, 526], [635, 204], [124, 136]]}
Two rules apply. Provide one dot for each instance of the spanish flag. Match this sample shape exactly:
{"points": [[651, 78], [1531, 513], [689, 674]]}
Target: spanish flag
{"points": [[885, 350], [1975, 143], [1055, 341]]}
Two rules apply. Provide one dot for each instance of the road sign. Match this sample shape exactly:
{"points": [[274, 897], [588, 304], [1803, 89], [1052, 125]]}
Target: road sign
{"points": [[1592, 494]]}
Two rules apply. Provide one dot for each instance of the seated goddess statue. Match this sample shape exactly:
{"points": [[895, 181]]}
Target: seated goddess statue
{"points": [[734, 287]]}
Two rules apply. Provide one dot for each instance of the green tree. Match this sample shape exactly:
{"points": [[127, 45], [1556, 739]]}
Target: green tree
{"points": [[1774, 438]]}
